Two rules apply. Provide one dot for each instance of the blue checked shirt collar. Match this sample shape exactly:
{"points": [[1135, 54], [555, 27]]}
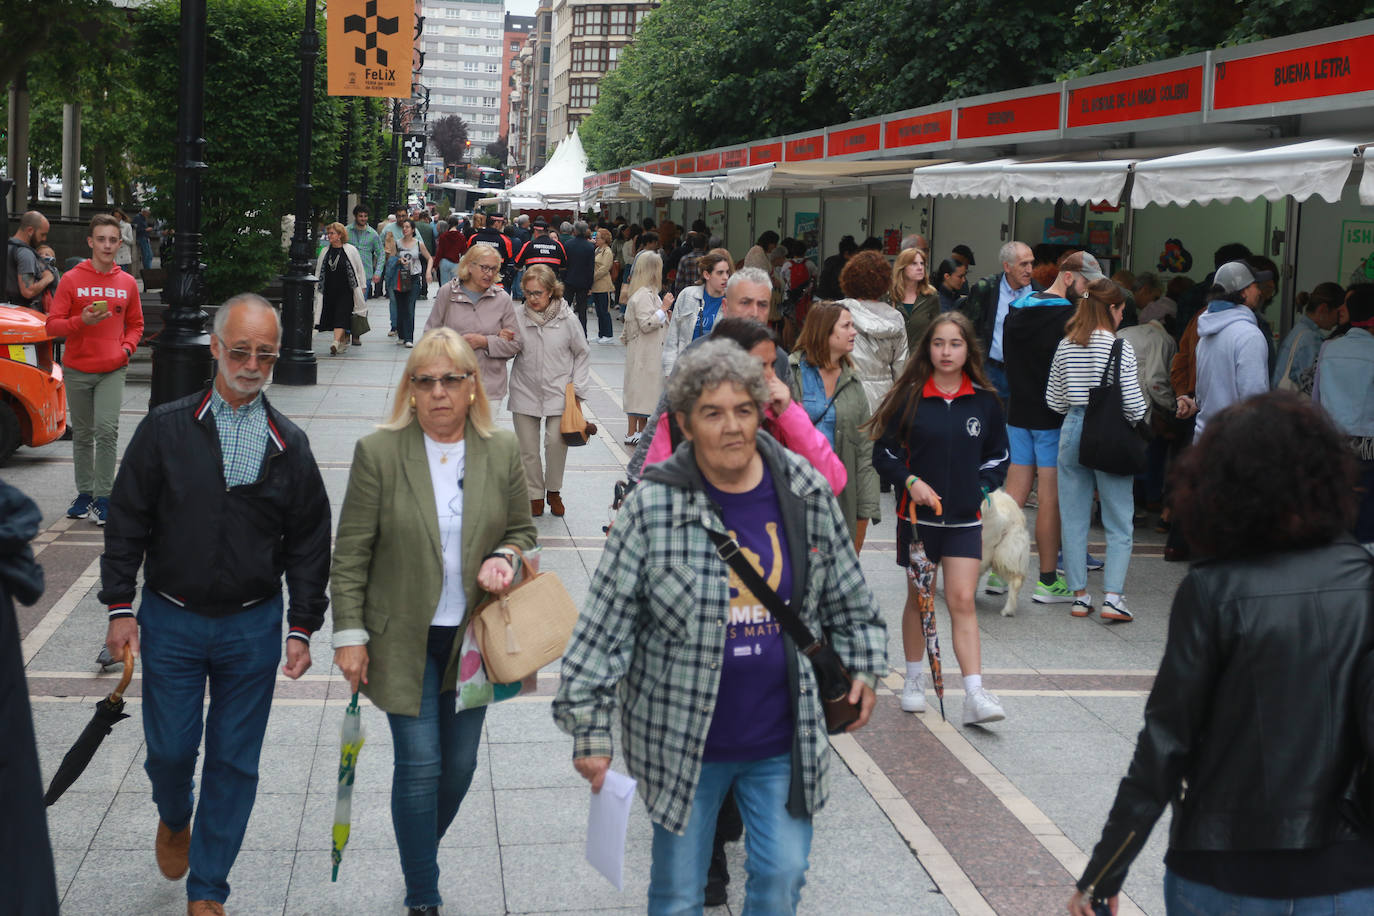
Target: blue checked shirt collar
{"points": [[243, 437]]}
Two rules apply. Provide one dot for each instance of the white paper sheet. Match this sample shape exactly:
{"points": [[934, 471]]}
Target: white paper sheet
{"points": [[607, 820]]}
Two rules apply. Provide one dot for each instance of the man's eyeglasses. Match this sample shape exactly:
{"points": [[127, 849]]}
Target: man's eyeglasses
{"points": [[239, 355], [450, 382]]}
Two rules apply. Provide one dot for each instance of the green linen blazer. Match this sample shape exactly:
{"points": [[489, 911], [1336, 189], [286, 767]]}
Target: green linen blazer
{"points": [[388, 558]]}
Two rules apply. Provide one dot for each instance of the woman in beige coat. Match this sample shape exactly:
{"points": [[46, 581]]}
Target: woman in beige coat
{"points": [[482, 312], [646, 322], [602, 286], [554, 354], [880, 349]]}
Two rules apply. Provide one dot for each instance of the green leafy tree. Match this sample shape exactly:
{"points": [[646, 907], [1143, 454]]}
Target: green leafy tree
{"points": [[703, 74], [877, 56], [28, 29], [252, 92], [1141, 32]]}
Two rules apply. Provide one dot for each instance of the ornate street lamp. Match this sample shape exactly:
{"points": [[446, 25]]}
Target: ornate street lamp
{"points": [[181, 358], [297, 365]]}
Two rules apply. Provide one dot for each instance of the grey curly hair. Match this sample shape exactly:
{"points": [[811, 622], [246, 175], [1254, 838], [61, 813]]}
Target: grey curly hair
{"points": [[709, 365]]}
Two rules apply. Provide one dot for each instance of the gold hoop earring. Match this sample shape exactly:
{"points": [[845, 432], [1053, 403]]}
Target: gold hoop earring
{"points": [[412, 402], [472, 397]]}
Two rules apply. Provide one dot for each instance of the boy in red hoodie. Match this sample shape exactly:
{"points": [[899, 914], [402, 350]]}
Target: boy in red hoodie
{"points": [[97, 309]]}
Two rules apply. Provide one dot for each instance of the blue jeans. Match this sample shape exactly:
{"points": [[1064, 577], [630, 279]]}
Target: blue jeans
{"points": [[435, 759], [1076, 484], [447, 270], [997, 377], [238, 655], [145, 251], [405, 310], [1189, 898], [602, 301], [515, 291], [776, 844]]}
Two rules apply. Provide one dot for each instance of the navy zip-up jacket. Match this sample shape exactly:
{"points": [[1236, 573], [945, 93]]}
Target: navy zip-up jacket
{"points": [[958, 447]]}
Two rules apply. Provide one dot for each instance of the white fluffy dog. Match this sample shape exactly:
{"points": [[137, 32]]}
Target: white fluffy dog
{"points": [[1006, 544]]}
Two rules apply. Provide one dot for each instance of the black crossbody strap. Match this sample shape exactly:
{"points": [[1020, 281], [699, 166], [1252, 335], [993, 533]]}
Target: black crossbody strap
{"points": [[729, 551], [1108, 378]]}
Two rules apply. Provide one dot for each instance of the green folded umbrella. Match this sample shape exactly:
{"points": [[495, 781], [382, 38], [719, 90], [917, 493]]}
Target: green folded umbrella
{"points": [[351, 740]]}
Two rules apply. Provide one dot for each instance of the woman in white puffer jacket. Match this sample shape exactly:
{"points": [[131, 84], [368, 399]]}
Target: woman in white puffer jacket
{"points": [[880, 349]]}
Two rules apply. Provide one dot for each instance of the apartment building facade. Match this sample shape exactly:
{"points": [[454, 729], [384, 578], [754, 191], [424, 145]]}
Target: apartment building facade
{"points": [[463, 43], [588, 38]]}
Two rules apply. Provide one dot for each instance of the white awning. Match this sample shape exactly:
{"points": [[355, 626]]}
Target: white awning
{"points": [[734, 184], [961, 179], [650, 184], [1075, 182], [1273, 172]]}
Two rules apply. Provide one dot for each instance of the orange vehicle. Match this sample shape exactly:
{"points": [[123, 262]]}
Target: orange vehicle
{"points": [[33, 400]]}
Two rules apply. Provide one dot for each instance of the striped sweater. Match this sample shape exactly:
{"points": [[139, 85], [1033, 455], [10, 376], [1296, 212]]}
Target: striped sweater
{"points": [[1077, 369]]}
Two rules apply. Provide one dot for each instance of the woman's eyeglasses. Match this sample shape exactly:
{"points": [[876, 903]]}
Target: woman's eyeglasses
{"points": [[450, 382]]}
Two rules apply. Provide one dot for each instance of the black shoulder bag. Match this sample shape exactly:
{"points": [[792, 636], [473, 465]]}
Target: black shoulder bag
{"points": [[1110, 443], [832, 678]]}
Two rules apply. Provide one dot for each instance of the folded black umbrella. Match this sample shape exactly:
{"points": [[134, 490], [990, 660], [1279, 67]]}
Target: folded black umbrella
{"points": [[107, 712]]}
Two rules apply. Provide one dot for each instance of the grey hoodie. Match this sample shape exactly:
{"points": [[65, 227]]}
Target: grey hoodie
{"points": [[1232, 361]]}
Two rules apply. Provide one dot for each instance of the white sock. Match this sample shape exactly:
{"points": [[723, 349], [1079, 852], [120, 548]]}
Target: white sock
{"points": [[972, 682], [915, 670], [1113, 597]]}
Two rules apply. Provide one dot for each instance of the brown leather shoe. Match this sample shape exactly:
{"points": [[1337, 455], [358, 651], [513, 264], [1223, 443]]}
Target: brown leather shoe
{"points": [[205, 908], [536, 507], [173, 852], [555, 502]]}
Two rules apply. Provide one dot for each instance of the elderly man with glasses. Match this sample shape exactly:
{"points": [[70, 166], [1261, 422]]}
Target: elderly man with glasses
{"points": [[217, 498]]}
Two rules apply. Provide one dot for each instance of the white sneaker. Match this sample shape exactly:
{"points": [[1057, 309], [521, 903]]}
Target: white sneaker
{"points": [[914, 694], [981, 707]]}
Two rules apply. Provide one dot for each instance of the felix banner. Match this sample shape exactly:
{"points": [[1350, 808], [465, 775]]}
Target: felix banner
{"points": [[371, 44]]}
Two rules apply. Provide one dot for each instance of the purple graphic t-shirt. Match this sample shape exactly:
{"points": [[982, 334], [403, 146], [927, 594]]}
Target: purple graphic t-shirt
{"points": [[753, 716]]}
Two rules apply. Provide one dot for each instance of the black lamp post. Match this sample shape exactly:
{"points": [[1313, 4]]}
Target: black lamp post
{"points": [[181, 359], [297, 365]]}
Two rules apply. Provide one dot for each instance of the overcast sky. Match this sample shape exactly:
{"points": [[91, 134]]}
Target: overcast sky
{"points": [[522, 7]]}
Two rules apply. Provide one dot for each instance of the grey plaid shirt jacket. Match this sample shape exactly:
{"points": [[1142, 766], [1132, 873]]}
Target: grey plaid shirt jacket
{"points": [[653, 634]]}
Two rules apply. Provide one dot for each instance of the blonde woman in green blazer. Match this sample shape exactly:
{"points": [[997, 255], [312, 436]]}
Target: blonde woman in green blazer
{"points": [[436, 499]]}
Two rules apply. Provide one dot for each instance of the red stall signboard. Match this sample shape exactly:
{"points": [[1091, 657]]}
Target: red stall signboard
{"points": [[918, 130], [1176, 92], [687, 165], [708, 163], [765, 152], [806, 148], [667, 168], [854, 140], [1332, 68], [734, 158], [1024, 115]]}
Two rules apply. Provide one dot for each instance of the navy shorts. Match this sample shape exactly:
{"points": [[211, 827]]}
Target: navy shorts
{"points": [[939, 541]]}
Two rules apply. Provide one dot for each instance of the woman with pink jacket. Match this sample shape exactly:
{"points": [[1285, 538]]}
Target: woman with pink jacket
{"points": [[785, 420]]}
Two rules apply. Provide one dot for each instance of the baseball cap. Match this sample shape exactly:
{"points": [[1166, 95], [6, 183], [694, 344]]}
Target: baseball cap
{"points": [[1234, 276], [540, 224], [1083, 264], [966, 253]]}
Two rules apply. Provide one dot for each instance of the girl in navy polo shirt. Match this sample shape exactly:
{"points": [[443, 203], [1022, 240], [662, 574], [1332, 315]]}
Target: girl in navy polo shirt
{"points": [[942, 444]]}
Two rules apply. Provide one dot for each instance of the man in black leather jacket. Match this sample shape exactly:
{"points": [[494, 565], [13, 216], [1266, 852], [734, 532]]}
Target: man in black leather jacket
{"points": [[1251, 728]]}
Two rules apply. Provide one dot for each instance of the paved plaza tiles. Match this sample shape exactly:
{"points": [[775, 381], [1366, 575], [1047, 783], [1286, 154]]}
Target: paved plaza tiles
{"points": [[925, 816]]}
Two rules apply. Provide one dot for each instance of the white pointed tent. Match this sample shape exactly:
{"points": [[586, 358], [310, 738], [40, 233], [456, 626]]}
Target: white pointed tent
{"points": [[558, 185]]}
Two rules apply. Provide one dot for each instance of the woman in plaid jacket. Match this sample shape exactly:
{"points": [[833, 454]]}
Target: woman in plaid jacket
{"points": [[713, 695]]}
